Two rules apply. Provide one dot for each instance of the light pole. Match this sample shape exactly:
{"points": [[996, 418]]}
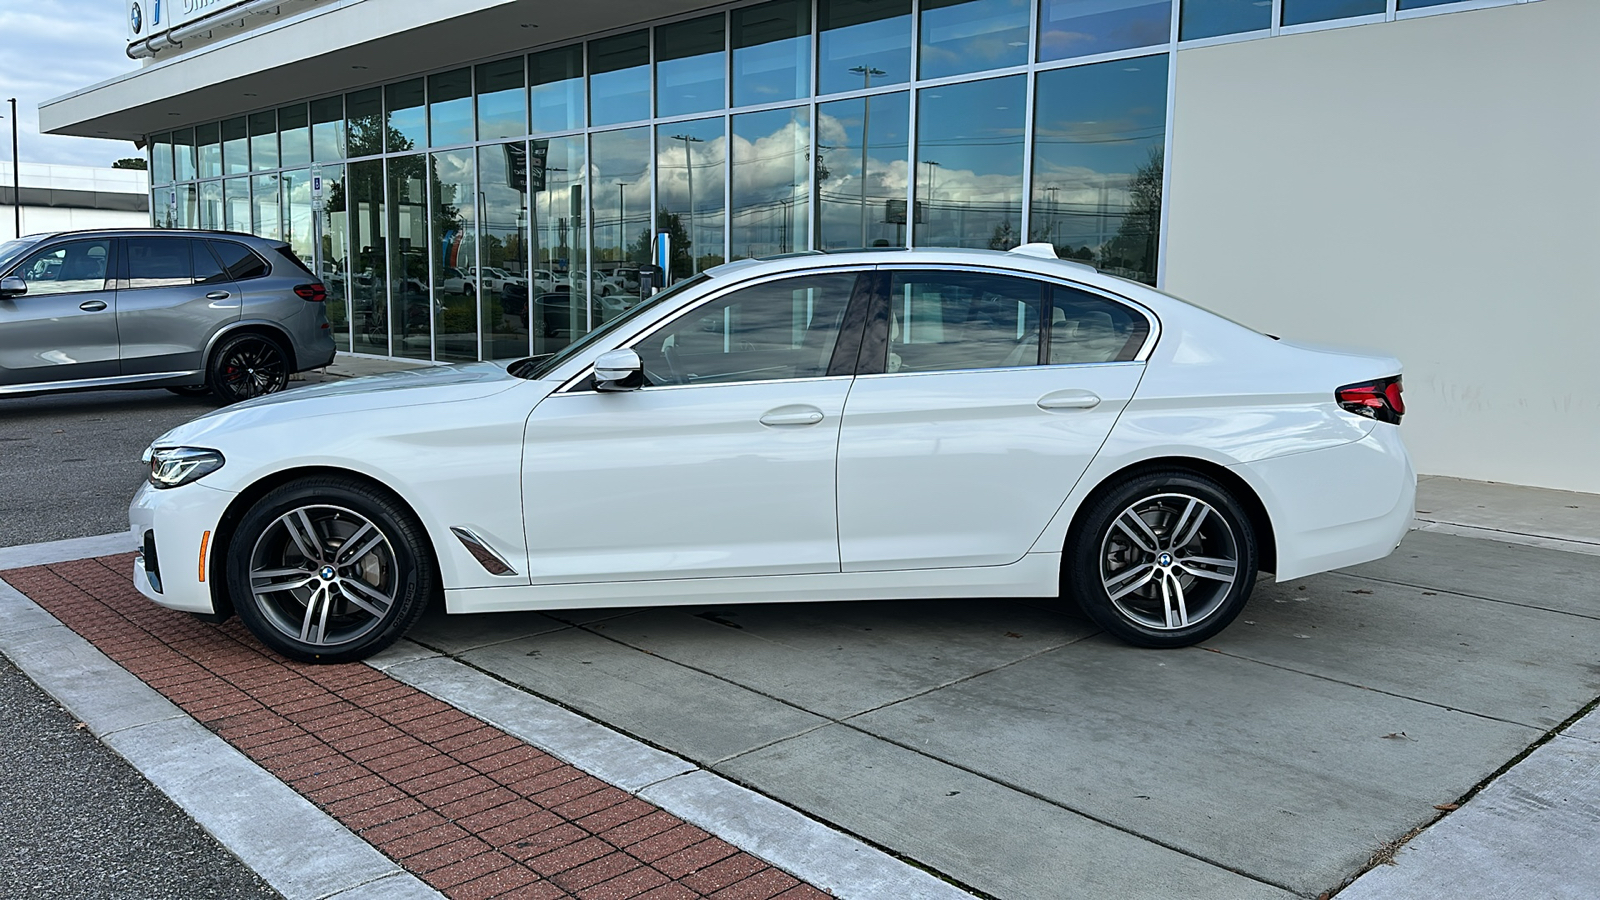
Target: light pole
{"points": [[931, 164], [867, 73], [16, 169], [688, 166]]}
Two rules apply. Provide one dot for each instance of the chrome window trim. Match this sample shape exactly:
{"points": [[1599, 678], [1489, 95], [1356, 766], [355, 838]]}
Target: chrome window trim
{"points": [[1151, 318]]}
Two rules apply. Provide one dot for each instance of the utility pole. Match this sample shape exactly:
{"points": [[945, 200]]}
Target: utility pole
{"points": [[867, 73], [16, 170], [688, 165]]}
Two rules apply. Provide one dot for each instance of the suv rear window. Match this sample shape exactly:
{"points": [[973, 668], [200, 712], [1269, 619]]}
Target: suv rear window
{"points": [[239, 260]]}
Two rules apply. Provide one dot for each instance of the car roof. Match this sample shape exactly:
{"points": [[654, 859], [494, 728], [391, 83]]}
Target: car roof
{"points": [[1030, 258], [140, 232]]}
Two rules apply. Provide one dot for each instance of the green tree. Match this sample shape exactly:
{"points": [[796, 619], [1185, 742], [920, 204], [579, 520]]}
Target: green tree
{"points": [[1132, 253], [131, 162]]}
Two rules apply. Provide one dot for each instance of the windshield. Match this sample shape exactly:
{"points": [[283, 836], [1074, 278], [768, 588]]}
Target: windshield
{"points": [[11, 250], [536, 367]]}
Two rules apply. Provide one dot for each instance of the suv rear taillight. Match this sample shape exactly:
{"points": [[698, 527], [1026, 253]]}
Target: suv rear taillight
{"points": [[1374, 399], [314, 292]]}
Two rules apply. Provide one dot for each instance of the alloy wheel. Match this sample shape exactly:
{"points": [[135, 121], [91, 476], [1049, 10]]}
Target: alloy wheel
{"points": [[1168, 561], [252, 368], [323, 575]]}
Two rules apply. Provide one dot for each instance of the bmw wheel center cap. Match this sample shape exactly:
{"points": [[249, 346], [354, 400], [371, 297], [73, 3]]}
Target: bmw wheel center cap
{"points": [[326, 573], [1164, 560]]}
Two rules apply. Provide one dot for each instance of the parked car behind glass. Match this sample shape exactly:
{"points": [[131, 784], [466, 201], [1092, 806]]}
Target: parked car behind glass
{"points": [[192, 312]]}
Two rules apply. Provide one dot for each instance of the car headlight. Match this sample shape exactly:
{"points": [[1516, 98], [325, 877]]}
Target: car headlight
{"points": [[172, 466]]}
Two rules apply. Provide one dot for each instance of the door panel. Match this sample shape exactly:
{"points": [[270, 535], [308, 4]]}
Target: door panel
{"points": [[65, 327], [684, 482], [174, 297], [966, 468]]}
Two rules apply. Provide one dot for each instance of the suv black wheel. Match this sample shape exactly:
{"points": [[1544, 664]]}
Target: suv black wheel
{"points": [[330, 570], [1165, 559], [248, 365]]}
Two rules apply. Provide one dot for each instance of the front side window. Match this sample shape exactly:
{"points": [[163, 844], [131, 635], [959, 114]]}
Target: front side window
{"points": [[68, 268], [157, 262], [944, 321], [780, 329], [1085, 328]]}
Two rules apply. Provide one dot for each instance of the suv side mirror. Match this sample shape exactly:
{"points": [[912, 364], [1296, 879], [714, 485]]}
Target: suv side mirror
{"points": [[12, 286], [618, 370]]}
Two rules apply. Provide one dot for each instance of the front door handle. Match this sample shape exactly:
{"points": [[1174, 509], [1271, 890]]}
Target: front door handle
{"points": [[92, 305], [217, 295], [793, 415], [1069, 400]]}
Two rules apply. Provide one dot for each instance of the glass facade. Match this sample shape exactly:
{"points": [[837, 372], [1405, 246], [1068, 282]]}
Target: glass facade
{"points": [[504, 208]]}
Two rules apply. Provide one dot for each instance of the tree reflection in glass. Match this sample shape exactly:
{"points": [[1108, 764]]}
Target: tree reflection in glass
{"points": [[857, 211], [453, 239], [771, 183], [969, 164], [620, 206], [689, 192], [558, 313], [368, 219], [410, 319], [1097, 163]]}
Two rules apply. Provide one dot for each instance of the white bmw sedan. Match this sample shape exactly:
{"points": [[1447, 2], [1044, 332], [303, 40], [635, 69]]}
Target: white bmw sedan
{"points": [[872, 425]]}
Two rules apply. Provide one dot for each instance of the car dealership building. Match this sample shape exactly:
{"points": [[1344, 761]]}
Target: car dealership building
{"points": [[483, 179]]}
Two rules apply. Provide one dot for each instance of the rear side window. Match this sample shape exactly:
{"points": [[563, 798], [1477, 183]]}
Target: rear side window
{"points": [[239, 262], [944, 321], [206, 268], [1085, 328], [287, 255], [152, 262]]}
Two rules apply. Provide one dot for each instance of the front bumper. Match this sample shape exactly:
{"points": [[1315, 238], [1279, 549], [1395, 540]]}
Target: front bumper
{"points": [[180, 524]]}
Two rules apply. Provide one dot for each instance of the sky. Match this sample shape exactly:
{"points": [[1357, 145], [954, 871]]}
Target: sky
{"points": [[53, 47]]}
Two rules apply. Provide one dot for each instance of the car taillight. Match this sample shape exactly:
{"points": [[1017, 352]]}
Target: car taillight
{"points": [[1379, 399], [314, 292]]}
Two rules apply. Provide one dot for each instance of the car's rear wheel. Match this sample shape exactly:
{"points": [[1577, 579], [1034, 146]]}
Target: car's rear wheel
{"points": [[248, 365], [1165, 559], [330, 570]]}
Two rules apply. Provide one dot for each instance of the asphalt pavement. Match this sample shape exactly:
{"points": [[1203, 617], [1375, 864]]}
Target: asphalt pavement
{"points": [[77, 822], [69, 463]]}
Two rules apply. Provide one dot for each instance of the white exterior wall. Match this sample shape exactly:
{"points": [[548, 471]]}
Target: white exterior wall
{"points": [[1427, 187], [36, 219]]}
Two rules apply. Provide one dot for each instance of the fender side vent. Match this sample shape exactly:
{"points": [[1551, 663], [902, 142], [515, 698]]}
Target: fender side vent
{"points": [[490, 560]]}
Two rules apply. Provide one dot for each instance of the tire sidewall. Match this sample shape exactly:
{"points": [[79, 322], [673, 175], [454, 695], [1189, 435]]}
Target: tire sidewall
{"points": [[407, 540], [1082, 581]]}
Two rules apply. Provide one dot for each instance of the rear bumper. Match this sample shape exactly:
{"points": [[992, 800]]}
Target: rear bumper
{"points": [[1340, 506]]}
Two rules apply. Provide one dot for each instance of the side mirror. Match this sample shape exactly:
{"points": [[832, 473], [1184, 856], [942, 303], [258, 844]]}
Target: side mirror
{"points": [[12, 286], [618, 370]]}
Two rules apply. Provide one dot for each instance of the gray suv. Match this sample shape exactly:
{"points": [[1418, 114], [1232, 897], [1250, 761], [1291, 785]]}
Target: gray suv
{"points": [[190, 311]]}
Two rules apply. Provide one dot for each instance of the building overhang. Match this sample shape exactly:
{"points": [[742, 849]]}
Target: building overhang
{"points": [[327, 49]]}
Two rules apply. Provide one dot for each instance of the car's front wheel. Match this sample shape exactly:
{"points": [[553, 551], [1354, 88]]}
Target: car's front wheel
{"points": [[1165, 559], [330, 570]]}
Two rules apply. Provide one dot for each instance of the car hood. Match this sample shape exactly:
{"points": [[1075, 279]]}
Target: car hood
{"points": [[410, 388]]}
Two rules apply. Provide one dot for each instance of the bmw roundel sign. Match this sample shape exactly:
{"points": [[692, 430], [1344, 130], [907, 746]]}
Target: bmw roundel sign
{"points": [[136, 18]]}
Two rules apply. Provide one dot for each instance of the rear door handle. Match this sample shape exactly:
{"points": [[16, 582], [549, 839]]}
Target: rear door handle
{"points": [[792, 415], [1069, 400], [92, 305], [217, 295]]}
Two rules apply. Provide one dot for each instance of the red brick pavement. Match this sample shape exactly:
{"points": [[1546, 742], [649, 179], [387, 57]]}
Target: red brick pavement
{"points": [[469, 809]]}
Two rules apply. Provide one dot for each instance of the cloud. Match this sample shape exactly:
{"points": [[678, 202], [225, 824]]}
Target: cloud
{"points": [[55, 47]]}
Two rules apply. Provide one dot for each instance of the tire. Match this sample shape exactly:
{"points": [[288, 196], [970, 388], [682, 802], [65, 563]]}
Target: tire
{"points": [[298, 591], [248, 365], [1125, 562], [191, 390]]}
